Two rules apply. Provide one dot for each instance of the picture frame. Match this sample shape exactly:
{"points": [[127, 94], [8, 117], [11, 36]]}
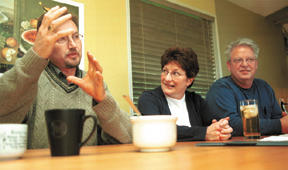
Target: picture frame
{"points": [[18, 22]]}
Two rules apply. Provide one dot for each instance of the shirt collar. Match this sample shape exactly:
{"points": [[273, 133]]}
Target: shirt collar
{"points": [[241, 88], [60, 74], [175, 100]]}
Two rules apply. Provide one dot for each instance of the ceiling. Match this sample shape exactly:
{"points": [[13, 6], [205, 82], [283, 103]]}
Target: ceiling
{"points": [[273, 10], [262, 7]]}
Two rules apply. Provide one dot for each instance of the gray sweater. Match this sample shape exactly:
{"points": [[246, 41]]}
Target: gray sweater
{"points": [[27, 90]]}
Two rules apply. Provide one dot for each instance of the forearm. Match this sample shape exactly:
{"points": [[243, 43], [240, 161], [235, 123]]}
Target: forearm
{"points": [[270, 126], [267, 126], [18, 87], [113, 120]]}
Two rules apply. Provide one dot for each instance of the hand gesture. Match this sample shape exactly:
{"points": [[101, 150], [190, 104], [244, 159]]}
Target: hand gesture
{"points": [[46, 34], [226, 129], [219, 130], [92, 83], [213, 131]]}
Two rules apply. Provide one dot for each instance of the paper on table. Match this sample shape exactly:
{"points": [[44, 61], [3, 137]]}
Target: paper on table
{"points": [[276, 138]]}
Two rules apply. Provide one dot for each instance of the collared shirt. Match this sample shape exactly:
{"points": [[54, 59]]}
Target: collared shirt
{"points": [[62, 76]]}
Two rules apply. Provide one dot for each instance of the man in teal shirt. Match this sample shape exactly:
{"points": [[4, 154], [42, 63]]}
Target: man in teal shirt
{"points": [[226, 93]]}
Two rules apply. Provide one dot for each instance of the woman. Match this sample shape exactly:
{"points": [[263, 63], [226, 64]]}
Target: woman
{"points": [[179, 69]]}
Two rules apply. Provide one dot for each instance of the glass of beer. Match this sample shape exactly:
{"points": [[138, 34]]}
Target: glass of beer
{"points": [[250, 119]]}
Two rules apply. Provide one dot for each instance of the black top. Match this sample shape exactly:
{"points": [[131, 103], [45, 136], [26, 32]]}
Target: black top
{"points": [[154, 103]]}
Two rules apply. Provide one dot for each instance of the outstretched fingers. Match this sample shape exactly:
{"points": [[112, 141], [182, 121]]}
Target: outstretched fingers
{"points": [[47, 18], [54, 14], [47, 35], [52, 19], [62, 33], [59, 21], [76, 80], [90, 65], [94, 63]]}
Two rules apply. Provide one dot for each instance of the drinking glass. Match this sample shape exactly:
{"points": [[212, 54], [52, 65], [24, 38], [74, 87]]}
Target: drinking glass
{"points": [[250, 118]]}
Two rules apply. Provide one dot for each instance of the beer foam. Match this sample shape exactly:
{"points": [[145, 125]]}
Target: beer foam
{"points": [[249, 111]]}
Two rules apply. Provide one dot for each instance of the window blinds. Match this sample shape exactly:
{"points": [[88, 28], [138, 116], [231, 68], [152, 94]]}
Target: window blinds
{"points": [[156, 27]]}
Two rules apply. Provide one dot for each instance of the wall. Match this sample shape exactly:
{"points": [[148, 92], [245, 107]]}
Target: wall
{"points": [[106, 38], [235, 22]]}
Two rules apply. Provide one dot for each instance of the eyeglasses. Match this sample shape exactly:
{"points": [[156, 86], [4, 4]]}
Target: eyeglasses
{"points": [[174, 74], [248, 60], [76, 37]]}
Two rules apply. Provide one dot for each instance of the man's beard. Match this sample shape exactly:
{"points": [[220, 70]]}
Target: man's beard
{"points": [[73, 65]]}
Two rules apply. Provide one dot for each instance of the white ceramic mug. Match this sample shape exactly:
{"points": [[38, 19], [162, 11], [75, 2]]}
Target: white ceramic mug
{"points": [[13, 140], [154, 133]]}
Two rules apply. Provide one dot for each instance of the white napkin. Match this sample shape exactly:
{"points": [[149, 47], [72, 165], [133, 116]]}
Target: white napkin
{"points": [[278, 138]]}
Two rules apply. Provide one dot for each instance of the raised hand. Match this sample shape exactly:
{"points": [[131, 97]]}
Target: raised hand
{"points": [[46, 34], [92, 83]]}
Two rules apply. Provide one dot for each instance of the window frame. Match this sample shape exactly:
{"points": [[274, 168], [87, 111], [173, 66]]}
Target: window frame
{"points": [[180, 7]]}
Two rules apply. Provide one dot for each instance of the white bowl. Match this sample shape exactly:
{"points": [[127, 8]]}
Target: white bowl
{"points": [[154, 133], [13, 140]]}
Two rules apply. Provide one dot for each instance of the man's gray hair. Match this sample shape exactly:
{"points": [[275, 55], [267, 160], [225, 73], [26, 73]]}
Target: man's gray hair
{"points": [[241, 42]]}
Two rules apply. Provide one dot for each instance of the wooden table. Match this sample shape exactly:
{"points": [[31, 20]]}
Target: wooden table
{"points": [[184, 156]]}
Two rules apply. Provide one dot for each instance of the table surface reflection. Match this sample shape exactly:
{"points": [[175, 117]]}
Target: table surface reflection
{"points": [[184, 156]]}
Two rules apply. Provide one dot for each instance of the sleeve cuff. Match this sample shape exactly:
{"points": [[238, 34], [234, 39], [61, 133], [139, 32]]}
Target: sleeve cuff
{"points": [[33, 63], [106, 109]]}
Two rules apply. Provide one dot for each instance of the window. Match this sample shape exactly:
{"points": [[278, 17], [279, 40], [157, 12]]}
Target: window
{"points": [[158, 25]]}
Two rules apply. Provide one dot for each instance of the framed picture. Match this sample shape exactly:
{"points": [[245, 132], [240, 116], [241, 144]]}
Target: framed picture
{"points": [[18, 22]]}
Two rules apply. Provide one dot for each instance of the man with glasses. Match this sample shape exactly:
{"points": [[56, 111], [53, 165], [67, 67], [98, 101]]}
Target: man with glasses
{"points": [[226, 93], [48, 77]]}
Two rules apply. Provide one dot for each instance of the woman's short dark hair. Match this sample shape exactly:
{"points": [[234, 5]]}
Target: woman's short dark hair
{"points": [[186, 57]]}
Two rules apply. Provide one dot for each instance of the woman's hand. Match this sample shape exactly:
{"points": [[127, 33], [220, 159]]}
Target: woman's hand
{"points": [[226, 129], [219, 130]]}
